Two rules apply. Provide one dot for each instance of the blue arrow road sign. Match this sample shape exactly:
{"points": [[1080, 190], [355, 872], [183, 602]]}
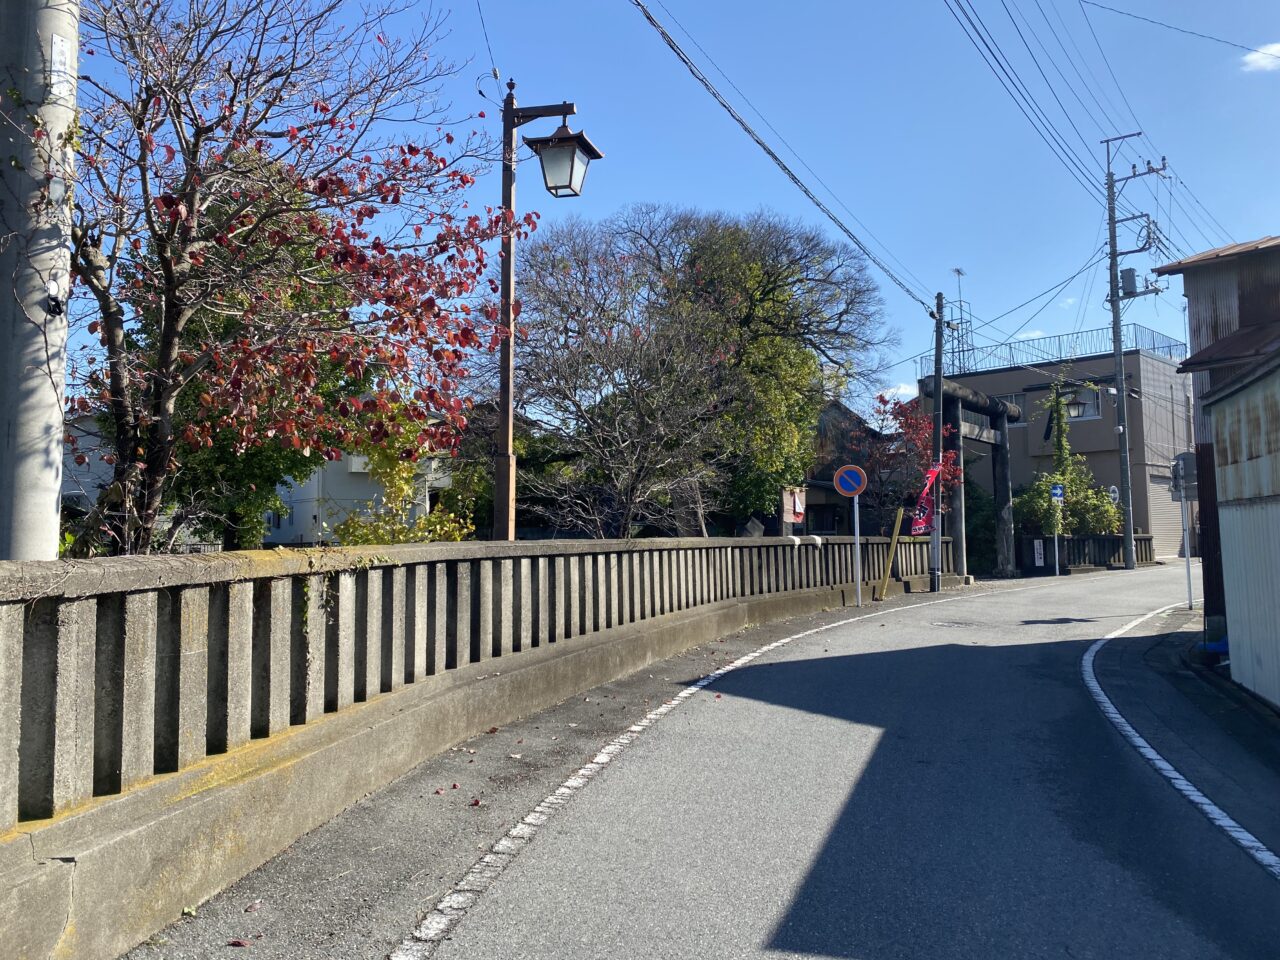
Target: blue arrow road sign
{"points": [[1058, 492]]}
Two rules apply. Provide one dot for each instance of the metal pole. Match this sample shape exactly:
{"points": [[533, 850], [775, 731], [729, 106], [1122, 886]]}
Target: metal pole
{"points": [[935, 539], [1057, 522], [504, 460], [38, 58], [1186, 545], [857, 551], [1117, 342]]}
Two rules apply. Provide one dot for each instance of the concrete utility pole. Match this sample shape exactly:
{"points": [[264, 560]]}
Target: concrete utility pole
{"points": [[1114, 298], [935, 539], [38, 61]]}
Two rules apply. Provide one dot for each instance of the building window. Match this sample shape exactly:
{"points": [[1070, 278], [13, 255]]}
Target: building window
{"points": [[1019, 400]]}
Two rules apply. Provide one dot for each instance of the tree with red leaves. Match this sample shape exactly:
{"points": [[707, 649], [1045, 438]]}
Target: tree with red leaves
{"points": [[268, 198], [898, 445]]}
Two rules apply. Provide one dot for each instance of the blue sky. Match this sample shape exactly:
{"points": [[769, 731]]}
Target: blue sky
{"points": [[893, 108]]}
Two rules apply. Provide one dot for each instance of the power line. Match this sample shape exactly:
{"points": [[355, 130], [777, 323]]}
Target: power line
{"points": [[1192, 33], [769, 151], [1094, 260], [983, 324], [485, 30], [1043, 76], [1013, 85], [920, 285], [1128, 106]]}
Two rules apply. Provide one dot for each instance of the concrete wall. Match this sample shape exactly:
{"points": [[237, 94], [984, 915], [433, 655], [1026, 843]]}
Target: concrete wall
{"points": [[169, 723]]}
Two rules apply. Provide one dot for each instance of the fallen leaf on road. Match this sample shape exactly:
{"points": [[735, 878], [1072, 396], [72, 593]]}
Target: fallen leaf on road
{"points": [[439, 791], [492, 730], [455, 786], [188, 911], [253, 907], [475, 801], [717, 696], [521, 740], [573, 724], [238, 943]]}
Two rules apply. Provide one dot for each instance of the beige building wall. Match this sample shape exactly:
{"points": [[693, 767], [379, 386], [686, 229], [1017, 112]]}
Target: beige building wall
{"points": [[1157, 429]]}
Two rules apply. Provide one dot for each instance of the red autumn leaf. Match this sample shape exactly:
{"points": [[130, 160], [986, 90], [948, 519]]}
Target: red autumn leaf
{"points": [[169, 153], [238, 943]]}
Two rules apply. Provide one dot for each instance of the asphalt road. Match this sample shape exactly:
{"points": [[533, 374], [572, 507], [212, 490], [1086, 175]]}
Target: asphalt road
{"points": [[932, 783]]}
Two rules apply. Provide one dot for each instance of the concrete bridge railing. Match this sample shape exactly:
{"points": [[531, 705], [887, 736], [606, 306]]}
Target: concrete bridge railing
{"points": [[116, 673]]}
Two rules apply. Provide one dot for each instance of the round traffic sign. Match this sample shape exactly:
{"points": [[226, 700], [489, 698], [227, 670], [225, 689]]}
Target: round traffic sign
{"points": [[850, 481]]}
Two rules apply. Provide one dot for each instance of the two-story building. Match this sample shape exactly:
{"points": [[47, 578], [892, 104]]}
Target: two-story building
{"points": [[1158, 408], [1233, 315]]}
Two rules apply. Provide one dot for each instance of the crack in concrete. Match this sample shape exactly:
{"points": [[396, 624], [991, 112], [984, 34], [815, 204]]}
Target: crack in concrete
{"points": [[67, 924]]}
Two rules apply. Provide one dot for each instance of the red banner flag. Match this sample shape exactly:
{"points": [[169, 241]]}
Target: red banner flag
{"points": [[922, 520]]}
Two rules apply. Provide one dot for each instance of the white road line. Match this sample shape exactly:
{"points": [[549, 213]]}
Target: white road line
{"points": [[439, 922], [1250, 844]]}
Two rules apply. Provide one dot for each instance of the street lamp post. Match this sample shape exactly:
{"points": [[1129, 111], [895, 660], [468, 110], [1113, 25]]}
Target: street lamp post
{"points": [[564, 156]]}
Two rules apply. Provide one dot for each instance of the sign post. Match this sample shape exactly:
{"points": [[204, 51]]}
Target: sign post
{"points": [[1059, 494], [850, 481]]}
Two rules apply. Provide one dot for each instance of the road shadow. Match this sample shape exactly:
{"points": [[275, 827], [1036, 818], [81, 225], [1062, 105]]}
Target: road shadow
{"points": [[1058, 620], [1002, 816]]}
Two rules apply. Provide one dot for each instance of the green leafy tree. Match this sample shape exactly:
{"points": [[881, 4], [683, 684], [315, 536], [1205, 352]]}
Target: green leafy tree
{"points": [[770, 429], [392, 517], [1088, 508]]}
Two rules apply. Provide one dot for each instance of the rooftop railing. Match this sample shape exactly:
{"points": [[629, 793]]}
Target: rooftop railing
{"points": [[1041, 351]]}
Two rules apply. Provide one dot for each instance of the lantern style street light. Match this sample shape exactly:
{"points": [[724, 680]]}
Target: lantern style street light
{"points": [[565, 156], [1075, 407]]}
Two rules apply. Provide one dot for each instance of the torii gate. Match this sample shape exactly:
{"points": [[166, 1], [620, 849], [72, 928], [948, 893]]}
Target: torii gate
{"points": [[955, 397]]}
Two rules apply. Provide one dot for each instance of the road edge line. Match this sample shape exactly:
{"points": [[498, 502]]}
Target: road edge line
{"points": [[1251, 845]]}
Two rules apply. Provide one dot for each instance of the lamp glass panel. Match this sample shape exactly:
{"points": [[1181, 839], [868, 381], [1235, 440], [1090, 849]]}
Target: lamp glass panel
{"points": [[579, 174], [557, 166]]}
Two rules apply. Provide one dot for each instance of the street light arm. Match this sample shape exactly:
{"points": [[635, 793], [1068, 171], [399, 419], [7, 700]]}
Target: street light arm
{"points": [[522, 115]]}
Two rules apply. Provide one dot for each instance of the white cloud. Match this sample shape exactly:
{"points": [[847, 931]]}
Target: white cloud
{"points": [[1264, 58], [1031, 334], [903, 391], [1067, 302]]}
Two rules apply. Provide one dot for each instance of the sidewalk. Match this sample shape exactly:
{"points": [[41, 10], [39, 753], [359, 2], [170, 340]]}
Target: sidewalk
{"points": [[1215, 734]]}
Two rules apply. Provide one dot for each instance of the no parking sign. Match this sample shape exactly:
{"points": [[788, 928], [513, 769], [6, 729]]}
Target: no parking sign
{"points": [[850, 481]]}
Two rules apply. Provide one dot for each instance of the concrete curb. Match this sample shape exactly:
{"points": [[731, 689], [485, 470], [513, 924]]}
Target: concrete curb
{"points": [[99, 879]]}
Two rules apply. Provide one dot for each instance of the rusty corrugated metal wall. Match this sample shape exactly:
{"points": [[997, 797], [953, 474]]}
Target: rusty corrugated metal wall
{"points": [[1247, 454]]}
